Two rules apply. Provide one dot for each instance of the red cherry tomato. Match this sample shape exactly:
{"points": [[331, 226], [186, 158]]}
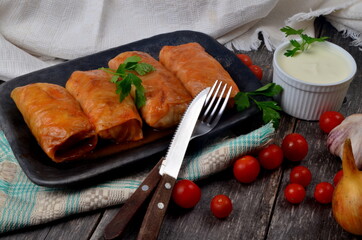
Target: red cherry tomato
{"points": [[221, 206], [186, 193], [246, 169], [245, 59], [294, 193], [271, 157], [337, 177], [330, 120], [323, 192], [301, 175], [257, 71], [294, 147]]}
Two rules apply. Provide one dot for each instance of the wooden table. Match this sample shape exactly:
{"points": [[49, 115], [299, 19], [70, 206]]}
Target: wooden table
{"points": [[260, 210]]}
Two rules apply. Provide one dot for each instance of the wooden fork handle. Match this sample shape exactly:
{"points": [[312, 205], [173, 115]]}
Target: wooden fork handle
{"points": [[118, 224], [156, 211]]}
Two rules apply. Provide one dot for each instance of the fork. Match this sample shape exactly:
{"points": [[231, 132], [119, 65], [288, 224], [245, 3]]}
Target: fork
{"points": [[210, 115], [212, 111]]}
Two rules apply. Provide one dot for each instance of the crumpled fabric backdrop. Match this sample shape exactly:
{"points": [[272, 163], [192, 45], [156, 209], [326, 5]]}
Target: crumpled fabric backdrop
{"points": [[38, 34]]}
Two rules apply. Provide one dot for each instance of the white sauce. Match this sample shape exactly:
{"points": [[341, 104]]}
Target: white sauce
{"points": [[321, 63]]}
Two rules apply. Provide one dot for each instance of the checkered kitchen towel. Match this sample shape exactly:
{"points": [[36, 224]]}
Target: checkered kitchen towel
{"points": [[23, 203]]}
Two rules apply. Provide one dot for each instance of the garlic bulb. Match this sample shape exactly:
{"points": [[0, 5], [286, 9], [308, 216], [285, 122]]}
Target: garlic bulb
{"points": [[346, 202], [351, 128]]}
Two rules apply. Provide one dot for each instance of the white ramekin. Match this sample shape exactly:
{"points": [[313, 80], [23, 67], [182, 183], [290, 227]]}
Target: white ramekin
{"points": [[305, 100]]}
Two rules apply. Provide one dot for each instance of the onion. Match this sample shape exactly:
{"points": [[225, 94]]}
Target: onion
{"points": [[351, 127], [347, 197]]}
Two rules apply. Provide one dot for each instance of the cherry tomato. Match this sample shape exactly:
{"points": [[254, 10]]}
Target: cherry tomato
{"points": [[323, 192], [301, 175], [337, 177], [245, 59], [294, 147], [257, 71], [186, 193], [271, 157], [330, 120], [221, 206], [294, 193], [246, 169]]}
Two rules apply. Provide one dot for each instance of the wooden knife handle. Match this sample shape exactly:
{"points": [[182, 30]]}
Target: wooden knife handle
{"points": [[116, 227], [156, 210]]}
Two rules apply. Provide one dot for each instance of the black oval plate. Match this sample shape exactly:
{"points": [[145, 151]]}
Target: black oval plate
{"points": [[42, 171]]}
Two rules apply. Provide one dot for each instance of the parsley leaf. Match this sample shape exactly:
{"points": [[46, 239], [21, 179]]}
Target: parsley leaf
{"points": [[269, 90], [291, 31], [124, 77], [242, 101], [124, 87], [140, 98], [143, 68], [269, 108], [306, 40]]}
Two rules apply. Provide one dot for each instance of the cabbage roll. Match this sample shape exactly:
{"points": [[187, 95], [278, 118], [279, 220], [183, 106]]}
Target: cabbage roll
{"points": [[195, 68], [56, 120], [113, 120], [166, 97]]}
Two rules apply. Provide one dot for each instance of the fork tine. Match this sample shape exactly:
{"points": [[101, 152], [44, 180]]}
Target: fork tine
{"points": [[210, 92], [216, 106], [211, 102], [222, 108], [203, 127]]}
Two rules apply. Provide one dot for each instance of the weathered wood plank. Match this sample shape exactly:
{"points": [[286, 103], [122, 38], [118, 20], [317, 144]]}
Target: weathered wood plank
{"points": [[75, 227], [33, 233]]}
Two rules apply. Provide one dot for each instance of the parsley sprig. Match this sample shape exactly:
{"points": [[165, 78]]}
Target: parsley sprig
{"points": [[269, 108], [124, 77], [302, 45]]}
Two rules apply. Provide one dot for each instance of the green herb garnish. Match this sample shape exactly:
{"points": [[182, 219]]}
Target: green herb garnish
{"points": [[306, 40], [125, 77], [269, 108]]}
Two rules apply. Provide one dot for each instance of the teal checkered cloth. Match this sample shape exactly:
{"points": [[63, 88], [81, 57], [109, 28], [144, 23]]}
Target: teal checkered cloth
{"points": [[22, 203]]}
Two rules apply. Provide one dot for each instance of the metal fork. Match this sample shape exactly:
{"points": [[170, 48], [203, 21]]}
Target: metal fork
{"points": [[213, 109], [210, 115]]}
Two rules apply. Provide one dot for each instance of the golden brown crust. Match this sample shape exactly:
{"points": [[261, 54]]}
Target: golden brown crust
{"points": [[56, 120], [195, 68], [115, 120], [166, 97]]}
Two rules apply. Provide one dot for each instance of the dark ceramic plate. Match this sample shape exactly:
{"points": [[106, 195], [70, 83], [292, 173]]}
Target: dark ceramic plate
{"points": [[42, 171]]}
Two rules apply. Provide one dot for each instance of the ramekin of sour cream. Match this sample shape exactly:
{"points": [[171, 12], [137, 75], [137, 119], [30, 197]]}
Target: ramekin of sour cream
{"points": [[314, 81]]}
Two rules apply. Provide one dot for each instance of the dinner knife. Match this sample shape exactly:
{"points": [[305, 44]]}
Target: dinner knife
{"points": [[120, 221], [170, 168]]}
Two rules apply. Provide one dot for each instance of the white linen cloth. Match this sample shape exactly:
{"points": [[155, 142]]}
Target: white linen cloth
{"points": [[39, 33]]}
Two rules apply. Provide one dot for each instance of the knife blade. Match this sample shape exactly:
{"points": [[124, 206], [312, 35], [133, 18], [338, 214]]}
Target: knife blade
{"points": [[177, 149], [170, 168]]}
